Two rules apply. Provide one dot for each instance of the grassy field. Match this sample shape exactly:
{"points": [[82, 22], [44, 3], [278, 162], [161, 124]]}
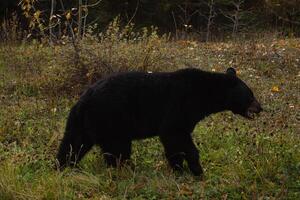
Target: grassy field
{"points": [[242, 159]]}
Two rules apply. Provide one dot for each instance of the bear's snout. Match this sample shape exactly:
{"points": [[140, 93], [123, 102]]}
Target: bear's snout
{"points": [[254, 108]]}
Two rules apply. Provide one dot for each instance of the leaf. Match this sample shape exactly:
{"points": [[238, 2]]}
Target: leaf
{"points": [[185, 190], [37, 14], [275, 89], [68, 15]]}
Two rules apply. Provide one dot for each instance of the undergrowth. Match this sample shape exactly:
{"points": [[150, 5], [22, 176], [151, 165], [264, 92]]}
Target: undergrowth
{"points": [[242, 159]]}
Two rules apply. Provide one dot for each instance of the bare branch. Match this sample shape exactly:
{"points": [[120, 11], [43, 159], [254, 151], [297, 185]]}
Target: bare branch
{"points": [[135, 11], [79, 18], [175, 23], [76, 48], [53, 4], [93, 5], [280, 16], [85, 16]]}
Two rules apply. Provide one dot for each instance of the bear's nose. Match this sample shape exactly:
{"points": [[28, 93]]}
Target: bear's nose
{"points": [[260, 108], [255, 107]]}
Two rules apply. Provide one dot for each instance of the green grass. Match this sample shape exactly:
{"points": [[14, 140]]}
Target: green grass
{"points": [[242, 159]]}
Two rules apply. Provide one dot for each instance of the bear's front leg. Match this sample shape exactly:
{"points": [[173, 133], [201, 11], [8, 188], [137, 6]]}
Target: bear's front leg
{"points": [[192, 156], [173, 152], [116, 152], [180, 147]]}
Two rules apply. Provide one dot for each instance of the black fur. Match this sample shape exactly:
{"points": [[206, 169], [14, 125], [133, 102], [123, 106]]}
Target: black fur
{"points": [[138, 105]]}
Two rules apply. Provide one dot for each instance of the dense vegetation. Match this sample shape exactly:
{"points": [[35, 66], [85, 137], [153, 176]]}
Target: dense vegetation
{"points": [[203, 19]]}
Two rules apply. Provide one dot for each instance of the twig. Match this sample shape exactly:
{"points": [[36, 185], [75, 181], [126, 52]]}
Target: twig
{"points": [[79, 18], [94, 4], [135, 11], [76, 48], [280, 16], [175, 23], [85, 17], [53, 4]]}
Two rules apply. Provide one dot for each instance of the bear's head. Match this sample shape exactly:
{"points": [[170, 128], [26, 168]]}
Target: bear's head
{"points": [[240, 97]]}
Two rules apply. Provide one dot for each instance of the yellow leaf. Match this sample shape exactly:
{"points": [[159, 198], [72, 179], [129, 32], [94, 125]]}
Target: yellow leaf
{"points": [[275, 89], [185, 190], [37, 14], [68, 15]]}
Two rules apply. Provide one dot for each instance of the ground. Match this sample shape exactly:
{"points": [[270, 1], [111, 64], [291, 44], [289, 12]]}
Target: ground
{"points": [[242, 159]]}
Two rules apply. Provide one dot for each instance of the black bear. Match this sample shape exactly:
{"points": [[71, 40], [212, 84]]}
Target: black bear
{"points": [[136, 105]]}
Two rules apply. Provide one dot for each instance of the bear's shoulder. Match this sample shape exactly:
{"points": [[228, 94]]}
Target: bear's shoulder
{"points": [[190, 71]]}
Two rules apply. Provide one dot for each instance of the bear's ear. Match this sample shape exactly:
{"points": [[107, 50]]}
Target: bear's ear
{"points": [[231, 71]]}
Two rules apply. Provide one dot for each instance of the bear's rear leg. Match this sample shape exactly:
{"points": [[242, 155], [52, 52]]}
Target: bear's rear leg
{"points": [[116, 153], [72, 149]]}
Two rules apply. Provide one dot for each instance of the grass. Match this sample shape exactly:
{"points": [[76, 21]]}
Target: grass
{"points": [[242, 159]]}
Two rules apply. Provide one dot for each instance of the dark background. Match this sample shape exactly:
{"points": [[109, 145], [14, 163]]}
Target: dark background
{"points": [[173, 15]]}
